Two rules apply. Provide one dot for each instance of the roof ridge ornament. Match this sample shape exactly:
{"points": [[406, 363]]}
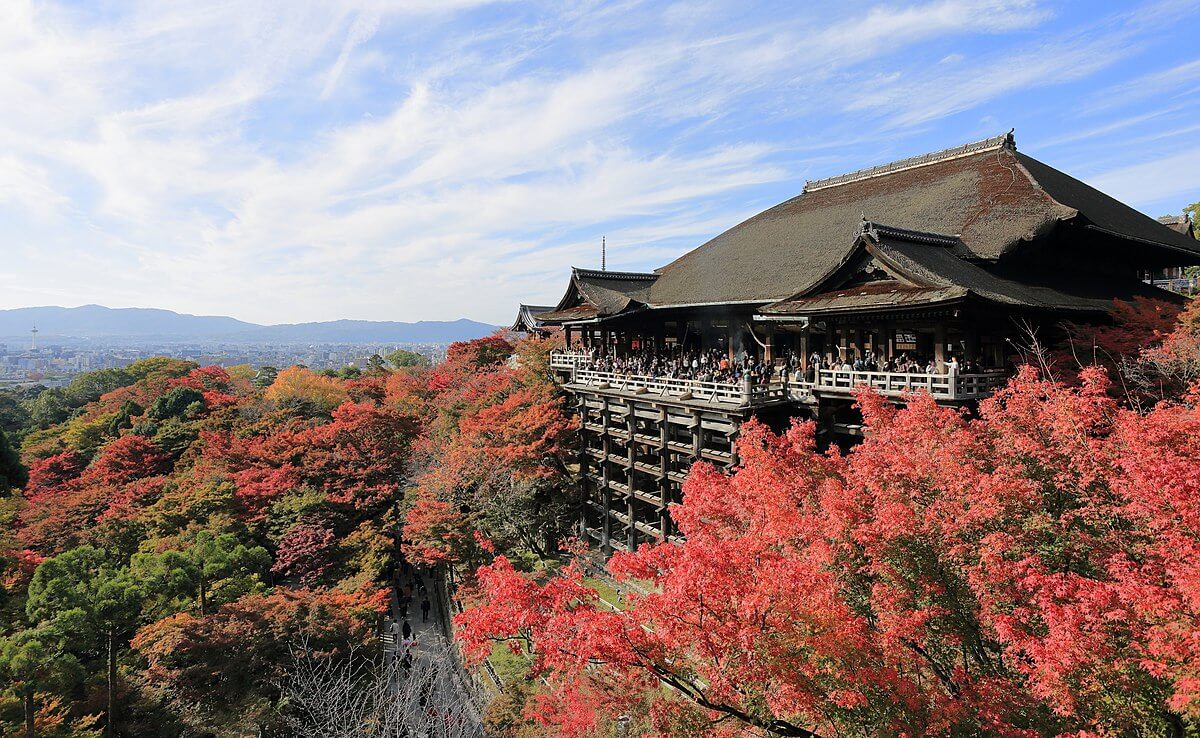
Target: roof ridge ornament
{"points": [[995, 143], [596, 273], [867, 228], [876, 231]]}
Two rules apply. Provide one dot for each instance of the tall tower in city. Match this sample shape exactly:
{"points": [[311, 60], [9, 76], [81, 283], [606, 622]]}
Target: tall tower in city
{"points": [[33, 339]]}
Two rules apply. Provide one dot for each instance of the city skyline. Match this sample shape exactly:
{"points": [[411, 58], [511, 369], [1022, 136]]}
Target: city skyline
{"points": [[431, 161]]}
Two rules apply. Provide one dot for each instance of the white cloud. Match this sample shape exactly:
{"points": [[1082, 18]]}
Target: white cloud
{"points": [[1171, 176], [299, 160], [908, 100], [1170, 82]]}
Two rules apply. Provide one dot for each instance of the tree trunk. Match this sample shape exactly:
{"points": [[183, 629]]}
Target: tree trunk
{"points": [[203, 598], [111, 718], [30, 715]]}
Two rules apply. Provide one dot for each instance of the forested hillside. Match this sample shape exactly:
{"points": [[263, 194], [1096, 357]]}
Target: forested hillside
{"points": [[170, 533], [173, 533]]}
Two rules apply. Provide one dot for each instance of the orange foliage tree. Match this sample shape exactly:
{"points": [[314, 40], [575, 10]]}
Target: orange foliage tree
{"points": [[299, 386], [492, 454]]}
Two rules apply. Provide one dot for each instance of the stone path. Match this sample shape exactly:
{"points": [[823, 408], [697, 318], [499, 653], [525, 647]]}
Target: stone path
{"points": [[433, 656]]}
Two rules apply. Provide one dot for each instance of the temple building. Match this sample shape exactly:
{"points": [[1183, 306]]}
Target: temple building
{"points": [[1176, 278], [528, 322], [934, 273]]}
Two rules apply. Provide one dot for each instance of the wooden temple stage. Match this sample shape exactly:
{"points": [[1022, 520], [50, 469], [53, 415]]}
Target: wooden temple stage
{"points": [[950, 262]]}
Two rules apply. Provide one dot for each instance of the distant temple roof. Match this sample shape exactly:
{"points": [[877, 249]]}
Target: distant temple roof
{"points": [[594, 293], [1178, 223], [991, 198], [526, 322]]}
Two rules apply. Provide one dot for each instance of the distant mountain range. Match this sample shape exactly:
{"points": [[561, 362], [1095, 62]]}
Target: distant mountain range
{"points": [[95, 323]]}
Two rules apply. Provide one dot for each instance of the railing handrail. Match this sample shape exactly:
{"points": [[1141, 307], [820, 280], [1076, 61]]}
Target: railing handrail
{"points": [[942, 386], [893, 384]]}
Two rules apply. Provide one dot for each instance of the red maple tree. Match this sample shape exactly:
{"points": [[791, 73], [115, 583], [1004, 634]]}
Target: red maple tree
{"points": [[1030, 571]]}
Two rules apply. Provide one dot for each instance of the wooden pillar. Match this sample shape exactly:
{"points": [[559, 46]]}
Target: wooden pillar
{"points": [[769, 350], [939, 346], [606, 500], [631, 457], [583, 471], [664, 481], [804, 350]]}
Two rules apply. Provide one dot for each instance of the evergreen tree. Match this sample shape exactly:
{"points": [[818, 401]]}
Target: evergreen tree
{"points": [[90, 604], [32, 662], [13, 474]]}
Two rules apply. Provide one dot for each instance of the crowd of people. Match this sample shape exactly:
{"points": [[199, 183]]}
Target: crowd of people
{"points": [[411, 593], [715, 365], [903, 363], [712, 365]]}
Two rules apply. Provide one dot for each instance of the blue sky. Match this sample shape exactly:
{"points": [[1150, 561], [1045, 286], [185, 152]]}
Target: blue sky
{"points": [[436, 159]]}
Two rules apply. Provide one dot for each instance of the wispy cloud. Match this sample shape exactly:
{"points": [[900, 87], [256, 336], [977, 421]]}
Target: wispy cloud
{"points": [[1169, 83], [438, 158], [1172, 176]]}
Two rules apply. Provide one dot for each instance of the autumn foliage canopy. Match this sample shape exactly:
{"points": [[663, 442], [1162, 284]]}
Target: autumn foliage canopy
{"points": [[1030, 570]]}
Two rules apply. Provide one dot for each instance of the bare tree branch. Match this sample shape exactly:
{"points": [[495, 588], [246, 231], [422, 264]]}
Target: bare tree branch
{"points": [[415, 693]]}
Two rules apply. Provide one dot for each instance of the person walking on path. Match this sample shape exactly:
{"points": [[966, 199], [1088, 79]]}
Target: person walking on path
{"points": [[425, 610], [406, 630]]}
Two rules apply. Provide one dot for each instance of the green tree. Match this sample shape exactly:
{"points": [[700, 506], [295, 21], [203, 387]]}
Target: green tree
{"points": [[174, 403], [92, 604], [401, 358], [375, 364], [13, 474], [31, 661], [174, 435], [123, 418], [210, 563], [14, 418], [1193, 212], [161, 365], [48, 408], [265, 376], [89, 386]]}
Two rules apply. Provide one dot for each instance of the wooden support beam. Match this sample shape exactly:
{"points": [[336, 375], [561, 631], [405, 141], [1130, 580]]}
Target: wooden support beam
{"points": [[664, 482], [631, 457]]}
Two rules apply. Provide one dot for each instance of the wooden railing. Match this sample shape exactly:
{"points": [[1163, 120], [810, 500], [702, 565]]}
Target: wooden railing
{"points": [[895, 384], [890, 384], [1182, 285], [694, 389], [566, 359]]}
